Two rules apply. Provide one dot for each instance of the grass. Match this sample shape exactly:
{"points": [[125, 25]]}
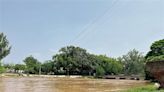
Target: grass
{"points": [[148, 88]]}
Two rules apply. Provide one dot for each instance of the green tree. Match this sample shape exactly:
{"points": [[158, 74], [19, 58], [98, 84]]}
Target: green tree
{"points": [[9, 66], [18, 67], [100, 71], [4, 46], [32, 65], [4, 49], [2, 69], [73, 60], [48, 67], [133, 63], [156, 49], [76, 60], [156, 53], [110, 65]]}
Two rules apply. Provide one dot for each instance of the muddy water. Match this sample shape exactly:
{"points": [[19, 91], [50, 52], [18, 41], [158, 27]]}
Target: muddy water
{"points": [[65, 85]]}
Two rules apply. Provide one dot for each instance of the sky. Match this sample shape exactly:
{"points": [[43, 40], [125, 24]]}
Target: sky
{"points": [[109, 27]]}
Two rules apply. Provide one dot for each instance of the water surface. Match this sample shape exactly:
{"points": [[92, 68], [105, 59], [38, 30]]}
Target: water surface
{"points": [[65, 85]]}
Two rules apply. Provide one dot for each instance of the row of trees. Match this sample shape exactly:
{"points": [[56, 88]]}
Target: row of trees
{"points": [[77, 61], [73, 60]]}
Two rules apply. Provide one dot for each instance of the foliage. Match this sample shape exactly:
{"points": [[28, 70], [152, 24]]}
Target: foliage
{"points": [[4, 46], [19, 67], [9, 66], [110, 65], [157, 49], [156, 53], [73, 60], [155, 58], [100, 71], [32, 65], [4, 49], [76, 60], [47, 67], [133, 62], [2, 69], [147, 88]]}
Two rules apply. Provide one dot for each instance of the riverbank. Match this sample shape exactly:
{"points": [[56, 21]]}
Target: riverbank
{"points": [[42, 76], [147, 88], [73, 76]]}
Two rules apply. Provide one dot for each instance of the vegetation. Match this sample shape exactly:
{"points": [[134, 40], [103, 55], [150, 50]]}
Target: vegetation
{"points": [[156, 48], [77, 61], [100, 71], [32, 65], [133, 63], [156, 53], [148, 88], [2, 69], [19, 67], [4, 46], [47, 67], [4, 49], [155, 58], [73, 60]]}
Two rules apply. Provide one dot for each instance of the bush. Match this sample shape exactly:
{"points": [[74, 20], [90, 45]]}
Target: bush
{"points": [[155, 58], [2, 69], [100, 71]]}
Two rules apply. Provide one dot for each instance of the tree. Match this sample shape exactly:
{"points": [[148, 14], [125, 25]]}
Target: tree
{"points": [[156, 53], [48, 67], [18, 67], [32, 65], [156, 49], [133, 62], [4, 49], [4, 46], [73, 60], [100, 71], [110, 65], [9, 66], [76, 60]]}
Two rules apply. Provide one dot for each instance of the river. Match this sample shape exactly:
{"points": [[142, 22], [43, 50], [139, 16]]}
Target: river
{"points": [[25, 84]]}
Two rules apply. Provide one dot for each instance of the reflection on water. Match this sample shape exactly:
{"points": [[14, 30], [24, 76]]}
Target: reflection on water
{"points": [[64, 85]]}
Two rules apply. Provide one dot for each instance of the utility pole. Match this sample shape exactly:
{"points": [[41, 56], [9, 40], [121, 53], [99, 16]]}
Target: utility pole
{"points": [[40, 70]]}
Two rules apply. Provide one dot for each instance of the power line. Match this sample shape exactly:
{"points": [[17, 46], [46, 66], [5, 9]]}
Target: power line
{"points": [[94, 21]]}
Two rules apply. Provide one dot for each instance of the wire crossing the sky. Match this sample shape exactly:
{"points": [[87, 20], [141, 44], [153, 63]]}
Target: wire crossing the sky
{"points": [[89, 25]]}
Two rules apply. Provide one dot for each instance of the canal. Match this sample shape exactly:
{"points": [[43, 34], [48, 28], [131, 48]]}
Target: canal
{"points": [[25, 84]]}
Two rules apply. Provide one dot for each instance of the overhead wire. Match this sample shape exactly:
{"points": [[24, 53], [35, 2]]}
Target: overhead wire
{"points": [[89, 25]]}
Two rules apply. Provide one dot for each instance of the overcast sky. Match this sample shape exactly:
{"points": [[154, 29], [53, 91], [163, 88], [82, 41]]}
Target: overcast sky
{"points": [[112, 27]]}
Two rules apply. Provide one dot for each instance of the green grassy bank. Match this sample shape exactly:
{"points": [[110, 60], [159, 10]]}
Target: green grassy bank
{"points": [[148, 88]]}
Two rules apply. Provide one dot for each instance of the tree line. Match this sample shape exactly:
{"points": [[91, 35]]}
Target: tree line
{"points": [[72, 60]]}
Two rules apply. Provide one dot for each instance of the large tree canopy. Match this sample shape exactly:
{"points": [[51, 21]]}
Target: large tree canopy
{"points": [[133, 62], [156, 49], [4, 46], [76, 60], [72, 60]]}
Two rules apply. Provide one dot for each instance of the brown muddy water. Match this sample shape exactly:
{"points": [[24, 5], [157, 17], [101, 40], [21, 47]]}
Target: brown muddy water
{"points": [[65, 85]]}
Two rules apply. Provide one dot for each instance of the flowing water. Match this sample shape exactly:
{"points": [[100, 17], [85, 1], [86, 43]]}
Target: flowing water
{"points": [[65, 85]]}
